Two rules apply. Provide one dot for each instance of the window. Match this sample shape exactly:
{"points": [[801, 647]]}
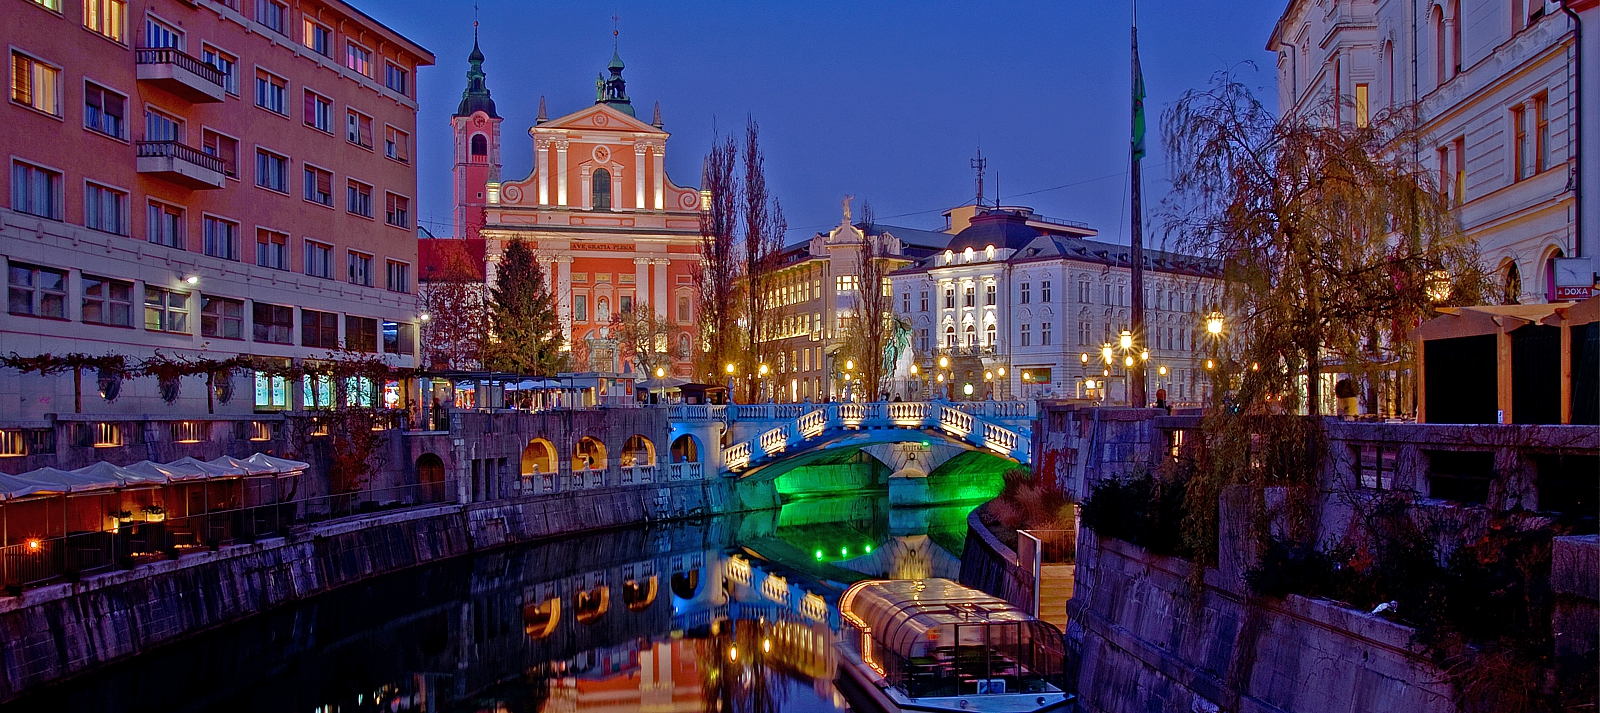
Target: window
{"points": [[1027, 335], [272, 92], [104, 111], [399, 338], [989, 294], [989, 335], [107, 18], [36, 291], [273, 14], [225, 63], [395, 78], [272, 249], [950, 337], [107, 301], [221, 317], [358, 198], [272, 392], [1362, 115], [396, 210], [222, 147], [601, 197], [1027, 295], [360, 268], [319, 329], [35, 84], [319, 112], [54, 5], [1044, 291], [580, 308], [396, 144], [949, 298], [272, 171], [161, 126], [625, 304], [846, 283], [156, 33], [971, 333], [358, 58], [358, 129], [1083, 333], [164, 225], [1461, 170], [1519, 143], [1438, 44], [685, 310], [318, 259], [105, 209], [1541, 132], [273, 324], [922, 339], [166, 310], [969, 296], [317, 38], [480, 145], [922, 300], [220, 237], [318, 186], [1044, 334], [399, 277], [905, 302], [361, 334]]}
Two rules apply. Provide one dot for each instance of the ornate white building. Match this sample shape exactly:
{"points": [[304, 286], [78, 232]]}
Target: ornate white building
{"points": [[1496, 83], [1022, 305]]}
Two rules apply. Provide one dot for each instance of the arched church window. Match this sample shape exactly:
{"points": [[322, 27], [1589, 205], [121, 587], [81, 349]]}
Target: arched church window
{"points": [[602, 190], [480, 145]]}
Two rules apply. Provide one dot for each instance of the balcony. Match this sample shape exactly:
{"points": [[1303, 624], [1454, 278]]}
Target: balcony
{"points": [[170, 69], [181, 164]]}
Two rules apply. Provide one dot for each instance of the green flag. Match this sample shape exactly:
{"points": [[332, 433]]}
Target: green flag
{"points": [[1138, 101]]}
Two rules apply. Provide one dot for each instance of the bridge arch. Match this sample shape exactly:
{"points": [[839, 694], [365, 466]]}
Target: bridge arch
{"points": [[588, 453], [539, 456]]}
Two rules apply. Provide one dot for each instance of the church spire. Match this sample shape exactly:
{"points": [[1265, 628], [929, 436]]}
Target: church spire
{"points": [[476, 97], [613, 90]]}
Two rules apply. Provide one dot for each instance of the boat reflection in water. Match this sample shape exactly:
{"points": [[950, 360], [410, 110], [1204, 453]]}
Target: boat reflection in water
{"points": [[932, 644]]}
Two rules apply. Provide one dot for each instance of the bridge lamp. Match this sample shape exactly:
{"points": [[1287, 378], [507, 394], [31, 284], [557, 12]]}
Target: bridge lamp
{"points": [[1105, 353], [819, 554], [1002, 371], [1162, 370], [1144, 355], [944, 362], [967, 388], [844, 551], [1127, 361], [1214, 323], [1105, 372], [940, 378], [660, 372], [988, 376], [1084, 357], [913, 369], [1125, 340]]}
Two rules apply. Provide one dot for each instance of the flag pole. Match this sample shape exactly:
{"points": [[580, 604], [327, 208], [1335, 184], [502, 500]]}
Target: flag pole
{"points": [[1136, 373]]}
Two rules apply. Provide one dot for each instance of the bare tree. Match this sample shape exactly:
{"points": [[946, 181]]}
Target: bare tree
{"points": [[453, 335], [763, 241], [872, 320], [645, 339], [1332, 239], [719, 268]]}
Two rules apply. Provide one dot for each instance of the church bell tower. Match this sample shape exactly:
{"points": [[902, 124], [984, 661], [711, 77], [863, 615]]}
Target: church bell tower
{"points": [[477, 147]]}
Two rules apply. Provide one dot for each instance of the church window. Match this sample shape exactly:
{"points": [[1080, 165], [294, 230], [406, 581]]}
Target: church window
{"points": [[602, 190], [480, 145]]}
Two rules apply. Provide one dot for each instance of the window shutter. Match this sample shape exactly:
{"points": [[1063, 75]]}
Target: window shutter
{"points": [[21, 80], [366, 133], [324, 183]]}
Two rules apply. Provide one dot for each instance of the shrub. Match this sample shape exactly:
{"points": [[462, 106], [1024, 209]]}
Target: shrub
{"points": [[1140, 509]]}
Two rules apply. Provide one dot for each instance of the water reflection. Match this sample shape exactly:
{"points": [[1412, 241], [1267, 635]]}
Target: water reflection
{"points": [[727, 614]]}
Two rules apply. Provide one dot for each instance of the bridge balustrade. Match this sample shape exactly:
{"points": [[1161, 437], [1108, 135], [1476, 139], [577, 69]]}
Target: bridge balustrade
{"points": [[967, 421]]}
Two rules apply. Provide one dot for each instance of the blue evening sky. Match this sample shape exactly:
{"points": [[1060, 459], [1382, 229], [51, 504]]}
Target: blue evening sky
{"points": [[886, 101]]}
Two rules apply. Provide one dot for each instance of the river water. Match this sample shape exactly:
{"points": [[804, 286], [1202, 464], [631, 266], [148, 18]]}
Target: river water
{"points": [[733, 613]]}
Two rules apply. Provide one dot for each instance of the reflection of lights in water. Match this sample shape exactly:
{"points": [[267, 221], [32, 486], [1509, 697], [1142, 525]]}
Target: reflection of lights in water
{"points": [[733, 653], [869, 549], [844, 551], [819, 554], [766, 646]]}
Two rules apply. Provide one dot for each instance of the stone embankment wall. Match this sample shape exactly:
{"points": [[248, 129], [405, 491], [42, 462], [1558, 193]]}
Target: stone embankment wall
{"points": [[1141, 639], [989, 566], [53, 633]]}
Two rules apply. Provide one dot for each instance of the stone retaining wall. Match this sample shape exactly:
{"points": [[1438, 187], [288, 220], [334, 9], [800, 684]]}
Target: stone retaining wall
{"points": [[56, 632], [989, 566]]}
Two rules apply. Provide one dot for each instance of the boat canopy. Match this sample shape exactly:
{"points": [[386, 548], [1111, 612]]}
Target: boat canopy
{"points": [[912, 617]]}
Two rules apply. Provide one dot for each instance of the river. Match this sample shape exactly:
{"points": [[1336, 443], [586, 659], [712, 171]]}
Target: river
{"points": [[733, 613]]}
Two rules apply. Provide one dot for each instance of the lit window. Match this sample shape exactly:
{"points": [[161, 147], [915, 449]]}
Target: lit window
{"points": [[35, 84], [358, 58], [106, 17], [318, 39]]}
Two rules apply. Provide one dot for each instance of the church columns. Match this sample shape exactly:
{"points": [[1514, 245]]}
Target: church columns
{"points": [[659, 295], [561, 172], [638, 176], [658, 152], [564, 296], [641, 282], [541, 152]]}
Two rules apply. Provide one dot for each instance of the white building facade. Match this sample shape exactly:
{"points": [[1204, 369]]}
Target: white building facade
{"points": [[1495, 83], [1019, 305]]}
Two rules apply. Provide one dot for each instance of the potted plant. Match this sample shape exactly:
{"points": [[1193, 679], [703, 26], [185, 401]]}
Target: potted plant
{"points": [[154, 513]]}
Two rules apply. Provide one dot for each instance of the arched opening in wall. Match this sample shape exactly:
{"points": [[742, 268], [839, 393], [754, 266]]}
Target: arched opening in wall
{"points": [[602, 190], [430, 478], [480, 146], [539, 457], [988, 336], [637, 451], [1551, 255], [950, 336], [1511, 283], [539, 620], [589, 453], [591, 604], [972, 335], [685, 449], [1388, 58], [686, 584], [639, 595]]}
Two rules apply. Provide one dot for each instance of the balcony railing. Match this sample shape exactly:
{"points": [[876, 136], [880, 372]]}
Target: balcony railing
{"points": [[181, 74], [181, 163]]}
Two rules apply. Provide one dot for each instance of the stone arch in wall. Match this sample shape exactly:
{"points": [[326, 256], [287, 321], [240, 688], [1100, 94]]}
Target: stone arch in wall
{"points": [[685, 449], [430, 477], [588, 453], [539, 456], [637, 451]]}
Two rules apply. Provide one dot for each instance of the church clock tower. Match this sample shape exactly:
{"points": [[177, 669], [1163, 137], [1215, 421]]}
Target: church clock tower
{"points": [[477, 148]]}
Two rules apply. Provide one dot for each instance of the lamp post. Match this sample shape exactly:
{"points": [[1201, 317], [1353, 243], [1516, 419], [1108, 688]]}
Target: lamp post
{"points": [[763, 371], [661, 375], [1214, 328]]}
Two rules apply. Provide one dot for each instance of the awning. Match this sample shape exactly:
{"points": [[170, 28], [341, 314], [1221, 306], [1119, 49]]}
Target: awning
{"points": [[105, 476], [249, 467], [280, 466]]}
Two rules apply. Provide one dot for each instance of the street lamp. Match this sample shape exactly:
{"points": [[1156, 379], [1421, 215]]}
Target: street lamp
{"points": [[1125, 340], [1105, 353], [944, 362], [1214, 323], [1162, 370]]}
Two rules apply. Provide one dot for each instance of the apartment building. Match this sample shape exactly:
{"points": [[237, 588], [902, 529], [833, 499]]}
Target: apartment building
{"points": [[1022, 305], [1495, 83], [203, 178]]}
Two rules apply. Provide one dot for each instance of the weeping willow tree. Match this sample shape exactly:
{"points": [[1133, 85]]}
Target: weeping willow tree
{"points": [[1333, 239]]}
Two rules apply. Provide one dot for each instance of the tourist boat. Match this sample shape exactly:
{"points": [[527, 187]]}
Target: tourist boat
{"points": [[934, 645]]}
